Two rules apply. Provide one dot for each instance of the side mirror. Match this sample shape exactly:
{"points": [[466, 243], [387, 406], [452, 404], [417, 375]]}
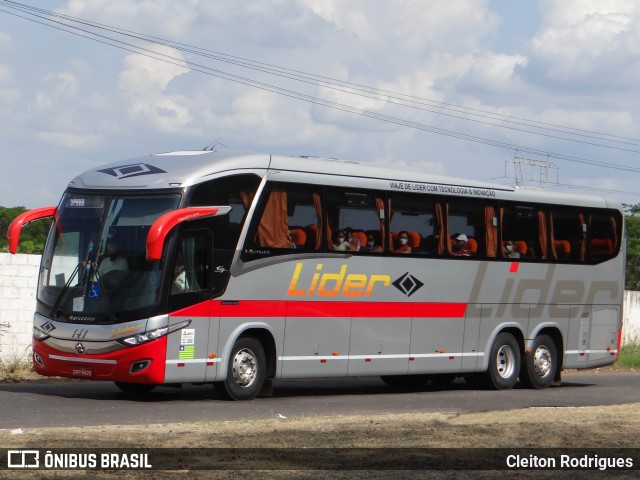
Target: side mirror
{"points": [[163, 225]]}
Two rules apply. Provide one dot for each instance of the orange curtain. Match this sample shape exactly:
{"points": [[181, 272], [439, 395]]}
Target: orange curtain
{"points": [[447, 240], [583, 243], [380, 208], [491, 231], [502, 252], [614, 233], [317, 203], [554, 253], [247, 198], [441, 232], [542, 234], [272, 231]]}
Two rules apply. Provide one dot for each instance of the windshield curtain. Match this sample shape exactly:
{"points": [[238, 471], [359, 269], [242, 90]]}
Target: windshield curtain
{"points": [[94, 267]]}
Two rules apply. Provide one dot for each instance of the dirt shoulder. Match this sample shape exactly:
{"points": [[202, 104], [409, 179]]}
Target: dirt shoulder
{"points": [[612, 426]]}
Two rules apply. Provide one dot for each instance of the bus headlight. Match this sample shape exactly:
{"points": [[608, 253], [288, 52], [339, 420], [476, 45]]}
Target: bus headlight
{"points": [[39, 334], [145, 337]]}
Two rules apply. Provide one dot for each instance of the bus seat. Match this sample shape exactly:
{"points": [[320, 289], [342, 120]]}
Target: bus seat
{"points": [[601, 246], [520, 246], [472, 244], [415, 239], [311, 231], [563, 247], [361, 236], [298, 236]]}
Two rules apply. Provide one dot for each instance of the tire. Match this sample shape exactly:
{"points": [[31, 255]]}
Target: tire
{"points": [[405, 381], [540, 364], [246, 370], [504, 363], [135, 388]]}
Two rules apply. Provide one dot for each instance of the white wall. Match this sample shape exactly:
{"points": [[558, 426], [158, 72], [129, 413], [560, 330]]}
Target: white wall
{"points": [[18, 282], [19, 278]]}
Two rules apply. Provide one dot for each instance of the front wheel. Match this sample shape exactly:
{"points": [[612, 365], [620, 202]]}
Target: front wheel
{"points": [[504, 363], [540, 364], [246, 371]]}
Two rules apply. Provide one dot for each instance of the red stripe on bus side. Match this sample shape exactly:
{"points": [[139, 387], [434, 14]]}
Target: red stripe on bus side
{"points": [[265, 308], [279, 308]]}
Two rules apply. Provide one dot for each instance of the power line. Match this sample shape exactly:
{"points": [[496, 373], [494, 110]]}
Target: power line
{"points": [[286, 92], [327, 82]]}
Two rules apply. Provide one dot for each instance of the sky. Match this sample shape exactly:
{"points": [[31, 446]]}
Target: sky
{"points": [[547, 81]]}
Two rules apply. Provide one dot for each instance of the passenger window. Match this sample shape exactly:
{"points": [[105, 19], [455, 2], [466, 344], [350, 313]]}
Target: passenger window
{"points": [[568, 235], [472, 229], [288, 220], [523, 227], [604, 234], [235, 191], [415, 218], [354, 217]]}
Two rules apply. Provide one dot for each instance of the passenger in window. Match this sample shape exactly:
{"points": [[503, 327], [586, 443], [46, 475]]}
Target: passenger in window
{"points": [[340, 242], [354, 242], [403, 243], [508, 250], [372, 245], [292, 244], [114, 259], [460, 247]]}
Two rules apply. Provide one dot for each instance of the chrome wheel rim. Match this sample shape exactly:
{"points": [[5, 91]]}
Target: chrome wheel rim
{"points": [[244, 367], [542, 360], [505, 361]]}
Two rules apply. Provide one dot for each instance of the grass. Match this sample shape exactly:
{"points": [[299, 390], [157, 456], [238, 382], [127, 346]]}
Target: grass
{"points": [[629, 357], [17, 370]]}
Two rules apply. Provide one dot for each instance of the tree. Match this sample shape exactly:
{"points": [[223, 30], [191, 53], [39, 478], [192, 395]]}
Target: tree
{"points": [[632, 217], [33, 235]]}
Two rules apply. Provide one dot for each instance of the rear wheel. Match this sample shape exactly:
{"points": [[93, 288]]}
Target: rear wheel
{"points": [[246, 371], [504, 363], [135, 388], [540, 364]]}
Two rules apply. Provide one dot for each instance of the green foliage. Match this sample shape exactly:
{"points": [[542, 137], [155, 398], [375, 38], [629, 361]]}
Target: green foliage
{"points": [[33, 235], [629, 356], [632, 276]]}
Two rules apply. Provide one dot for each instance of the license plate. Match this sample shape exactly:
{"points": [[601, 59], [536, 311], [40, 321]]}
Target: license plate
{"points": [[82, 372]]}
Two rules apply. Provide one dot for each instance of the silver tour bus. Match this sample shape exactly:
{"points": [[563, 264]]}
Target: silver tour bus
{"points": [[238, 269]]}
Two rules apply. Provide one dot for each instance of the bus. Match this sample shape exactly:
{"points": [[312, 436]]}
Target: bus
{"points": [[239, 269]]}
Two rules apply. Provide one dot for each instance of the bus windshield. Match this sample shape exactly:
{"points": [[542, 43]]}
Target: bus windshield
{"points": [[94, 267]]}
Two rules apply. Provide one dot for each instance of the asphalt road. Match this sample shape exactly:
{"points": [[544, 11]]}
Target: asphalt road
{"points": [[56, 403]]}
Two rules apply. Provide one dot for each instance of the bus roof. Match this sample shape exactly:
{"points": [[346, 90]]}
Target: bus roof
{"points": [[184, 168]]}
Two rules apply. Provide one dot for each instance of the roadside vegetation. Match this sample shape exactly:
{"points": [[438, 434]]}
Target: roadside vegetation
{"points": [[629, 358]]}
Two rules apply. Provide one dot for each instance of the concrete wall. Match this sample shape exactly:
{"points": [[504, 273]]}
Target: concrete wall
{"points": [[19, 278], [18, 282]]}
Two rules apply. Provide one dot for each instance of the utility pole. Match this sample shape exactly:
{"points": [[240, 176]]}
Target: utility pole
{"points": [[530, 172]]}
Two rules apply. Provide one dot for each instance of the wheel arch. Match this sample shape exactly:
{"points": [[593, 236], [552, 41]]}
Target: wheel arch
{"points": [[263, 333], [554, 332], [512, 328]]}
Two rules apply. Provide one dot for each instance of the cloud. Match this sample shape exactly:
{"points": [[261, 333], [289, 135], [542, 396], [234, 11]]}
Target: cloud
{"points": [[6, 43], [145, 81], [582, 42], [72, 141]]}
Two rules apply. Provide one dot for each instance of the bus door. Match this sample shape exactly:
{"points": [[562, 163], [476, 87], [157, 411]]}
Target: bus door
{"points": [[190, 355]]}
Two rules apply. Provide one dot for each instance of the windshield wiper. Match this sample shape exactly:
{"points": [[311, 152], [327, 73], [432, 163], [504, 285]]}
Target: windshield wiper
{"points": [[54, 309]]}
